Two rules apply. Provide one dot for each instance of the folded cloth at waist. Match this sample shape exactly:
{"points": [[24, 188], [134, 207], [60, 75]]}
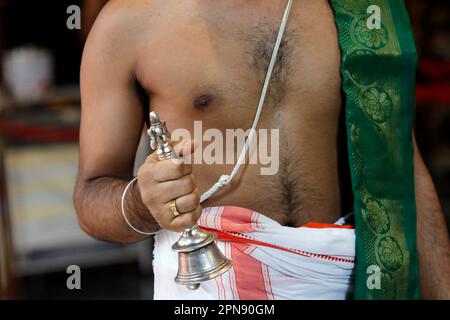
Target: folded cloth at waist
{"points": [[270, 261]]}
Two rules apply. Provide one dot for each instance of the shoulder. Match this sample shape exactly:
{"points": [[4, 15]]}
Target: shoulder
{"points": [[117, 33], [121, 19], [122, 23]]}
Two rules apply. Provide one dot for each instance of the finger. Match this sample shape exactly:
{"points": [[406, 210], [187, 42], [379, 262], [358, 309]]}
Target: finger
{"points": [[185, 151], [188, 202], [173, 189], [180, 149], [185, 147], [164, 217], [167, 170], [152, 158], [185, 220]]}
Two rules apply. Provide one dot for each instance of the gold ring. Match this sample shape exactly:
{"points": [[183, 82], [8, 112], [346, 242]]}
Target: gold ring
{"points": [[173, 208]]}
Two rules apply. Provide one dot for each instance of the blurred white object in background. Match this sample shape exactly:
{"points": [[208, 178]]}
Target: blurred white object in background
{"points": [[28, 73]]}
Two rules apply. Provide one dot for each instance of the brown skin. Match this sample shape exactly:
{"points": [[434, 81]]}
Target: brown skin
{"points": [[432, 236], [223, 48]]}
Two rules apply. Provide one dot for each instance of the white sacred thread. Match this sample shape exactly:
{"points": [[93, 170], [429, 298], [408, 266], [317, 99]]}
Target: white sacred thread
{"points": [[225, 179]]}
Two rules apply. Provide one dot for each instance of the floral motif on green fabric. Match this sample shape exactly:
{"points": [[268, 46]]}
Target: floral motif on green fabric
{"points": [[378, 81], [377, 104], [389, 253], [371, 38], [376, 216], [387, 288]]}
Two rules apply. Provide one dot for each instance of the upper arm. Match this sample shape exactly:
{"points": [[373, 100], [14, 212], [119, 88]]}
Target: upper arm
{"points": [[112, 110], [420, 169], [91, 8]]}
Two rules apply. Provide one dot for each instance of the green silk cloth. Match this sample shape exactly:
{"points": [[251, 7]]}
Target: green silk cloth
{"points": [[378, 71]]}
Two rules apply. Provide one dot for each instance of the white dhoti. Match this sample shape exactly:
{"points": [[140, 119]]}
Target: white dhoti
{"points": [[270, 261]]}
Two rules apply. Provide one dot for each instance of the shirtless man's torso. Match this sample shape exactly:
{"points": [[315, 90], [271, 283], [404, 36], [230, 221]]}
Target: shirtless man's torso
{"points": [[206, 61]]}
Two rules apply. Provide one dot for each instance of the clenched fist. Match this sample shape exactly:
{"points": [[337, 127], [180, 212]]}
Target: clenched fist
{"points": [[163, 183]]}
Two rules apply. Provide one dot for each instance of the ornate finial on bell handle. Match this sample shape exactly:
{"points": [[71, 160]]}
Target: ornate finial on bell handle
{"points": [[199, 258]]}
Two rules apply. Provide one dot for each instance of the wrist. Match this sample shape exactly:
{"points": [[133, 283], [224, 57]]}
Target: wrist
{"points": [[138, 216]]}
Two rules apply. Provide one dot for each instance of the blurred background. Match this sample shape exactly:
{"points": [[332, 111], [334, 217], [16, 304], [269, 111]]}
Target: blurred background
{"points": [[39, 119]]}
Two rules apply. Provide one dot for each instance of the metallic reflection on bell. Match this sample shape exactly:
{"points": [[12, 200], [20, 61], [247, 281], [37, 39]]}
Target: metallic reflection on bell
{"points": [[199, 258]]}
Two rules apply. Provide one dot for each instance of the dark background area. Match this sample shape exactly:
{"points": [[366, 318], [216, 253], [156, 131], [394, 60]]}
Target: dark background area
{"points": [[42, 23]]}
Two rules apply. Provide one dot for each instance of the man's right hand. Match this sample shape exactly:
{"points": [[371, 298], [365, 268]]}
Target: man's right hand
{"points": [[162, 182]]}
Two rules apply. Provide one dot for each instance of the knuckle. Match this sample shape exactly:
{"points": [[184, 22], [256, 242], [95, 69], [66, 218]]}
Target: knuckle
{"points": [[152, 198], [188, 167], [194, 200], [163, 224], [188, 183], [178, 167], [198, 212], [178, 228], [192, 220]]}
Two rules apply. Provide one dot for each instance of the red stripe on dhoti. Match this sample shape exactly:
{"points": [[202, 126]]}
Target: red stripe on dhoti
{"points": [[238, 220], [249, 274]]}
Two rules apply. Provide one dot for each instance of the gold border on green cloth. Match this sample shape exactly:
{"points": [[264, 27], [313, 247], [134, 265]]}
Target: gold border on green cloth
{"points": [[378, 71]]}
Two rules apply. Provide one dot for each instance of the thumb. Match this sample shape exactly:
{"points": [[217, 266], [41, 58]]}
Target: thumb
{"points": [[185, 148], [180, 150]]}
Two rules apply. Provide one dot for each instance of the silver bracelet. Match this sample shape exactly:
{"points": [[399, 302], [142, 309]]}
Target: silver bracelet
{"points": [[125, 216]]}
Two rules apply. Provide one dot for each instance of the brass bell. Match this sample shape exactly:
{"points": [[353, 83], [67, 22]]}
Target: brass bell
{"points": [[199, 258]]}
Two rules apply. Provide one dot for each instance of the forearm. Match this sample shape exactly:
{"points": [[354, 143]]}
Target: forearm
{"points": [[432, 237], [98, 205]]}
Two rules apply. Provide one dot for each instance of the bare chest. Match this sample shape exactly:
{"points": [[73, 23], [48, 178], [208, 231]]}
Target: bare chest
{"points": [[211, 69], [210, 62]]}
